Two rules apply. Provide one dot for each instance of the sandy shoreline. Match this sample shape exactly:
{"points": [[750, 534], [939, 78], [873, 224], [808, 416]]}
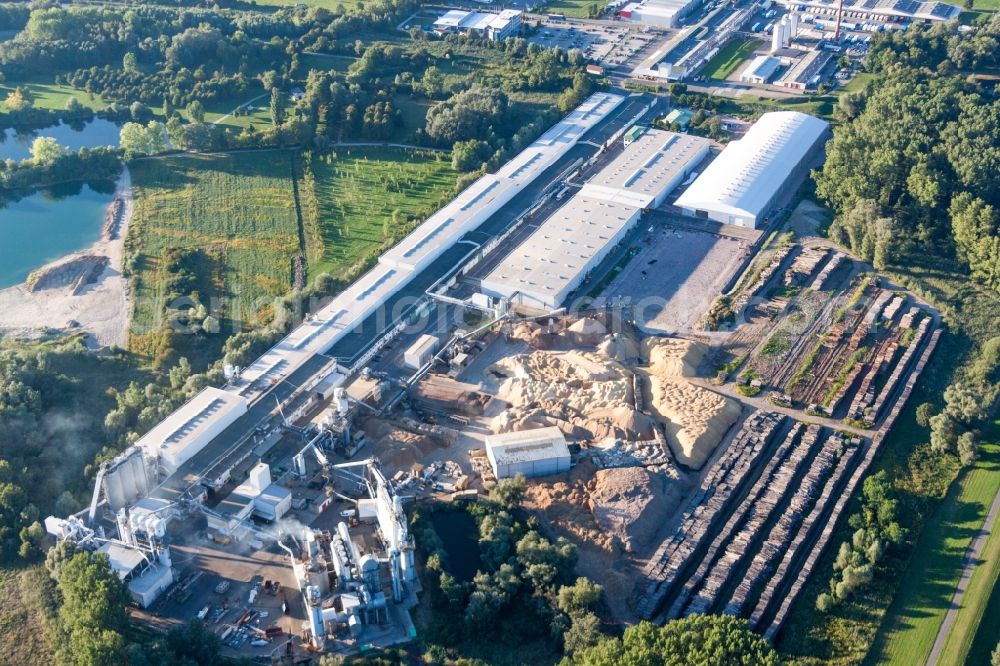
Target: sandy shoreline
{"points": [[100, 309]]}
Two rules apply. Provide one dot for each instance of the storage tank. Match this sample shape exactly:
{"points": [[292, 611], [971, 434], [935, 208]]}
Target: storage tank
{"points": [[113, 489], [370, 573], [140, 475]]}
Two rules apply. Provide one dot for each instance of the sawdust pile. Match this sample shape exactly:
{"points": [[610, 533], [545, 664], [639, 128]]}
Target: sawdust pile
{"points": [[614, 509], [695, 419], [396, 448], [585, 394]]}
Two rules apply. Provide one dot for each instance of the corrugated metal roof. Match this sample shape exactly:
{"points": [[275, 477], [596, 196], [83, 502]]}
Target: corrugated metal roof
{"points": [[747, 174]]}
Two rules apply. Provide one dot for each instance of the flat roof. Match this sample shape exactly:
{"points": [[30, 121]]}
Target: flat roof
{"points": [[549, 262], [648, 166], [763, 66], [124, 560], [527, 445], [749, 172], [913, 9], [274, 494], [188, 426]]}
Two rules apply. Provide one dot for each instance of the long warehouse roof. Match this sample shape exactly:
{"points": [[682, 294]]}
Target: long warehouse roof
{"points": [[551, 260], [651, 164], [748, 173], [421, 247], [193, 424], [903, 9]]}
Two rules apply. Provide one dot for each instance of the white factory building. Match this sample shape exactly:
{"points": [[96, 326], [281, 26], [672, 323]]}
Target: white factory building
{"points": [[743, 184], [883, 11], [537, 452], [397, 267], [658, 13], [552, 262], [495, 27], [760, 70], [258, 496], [173, 441]]}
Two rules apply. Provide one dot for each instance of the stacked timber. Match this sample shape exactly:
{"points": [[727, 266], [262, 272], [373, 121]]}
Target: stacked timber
{"points": [[779, 538], [761, 511], [704, 510], [824, 275], [734, 522], [805, 533]]}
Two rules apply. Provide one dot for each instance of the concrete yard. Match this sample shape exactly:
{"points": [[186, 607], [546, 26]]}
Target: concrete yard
{"points": [[676, 275]]}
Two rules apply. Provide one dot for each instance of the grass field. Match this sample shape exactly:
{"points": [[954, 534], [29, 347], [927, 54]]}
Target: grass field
{"points": [[357, 191], [991, 5], [986, 639], [51, 96], [978, 594], [238, 209], [575, 8], [924, 595], [725, 62], [20, 622]]}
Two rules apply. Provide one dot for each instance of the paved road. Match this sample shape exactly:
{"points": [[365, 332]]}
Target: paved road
{"points": [[971, 561]]}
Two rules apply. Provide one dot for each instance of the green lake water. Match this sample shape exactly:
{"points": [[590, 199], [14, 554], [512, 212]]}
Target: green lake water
{"points": [[47, 225]]}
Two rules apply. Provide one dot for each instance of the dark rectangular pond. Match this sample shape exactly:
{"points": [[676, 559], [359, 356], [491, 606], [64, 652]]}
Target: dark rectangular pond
{"points": [[460, 537]]}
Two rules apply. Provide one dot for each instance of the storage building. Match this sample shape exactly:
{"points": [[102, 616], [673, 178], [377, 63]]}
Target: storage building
{"points": [[556, 258], [749, 177], [537, 452], [760, 70], [173, 441], [144, 578], [881, 11], [421, 351], [657, 13]]}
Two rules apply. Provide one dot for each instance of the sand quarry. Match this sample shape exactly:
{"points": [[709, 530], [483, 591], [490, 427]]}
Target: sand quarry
{"points": [[61, 300]]}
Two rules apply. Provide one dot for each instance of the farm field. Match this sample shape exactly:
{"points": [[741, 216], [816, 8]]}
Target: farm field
{"points": [[358, 191], [960, 646], [729, 58], [237, 211]]}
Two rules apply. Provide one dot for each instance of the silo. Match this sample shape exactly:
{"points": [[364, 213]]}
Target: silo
{"points": [[140, 477], [114, 490]]}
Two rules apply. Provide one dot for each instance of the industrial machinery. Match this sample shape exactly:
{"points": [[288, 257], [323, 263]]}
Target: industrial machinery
{"points": [[341, 586]]}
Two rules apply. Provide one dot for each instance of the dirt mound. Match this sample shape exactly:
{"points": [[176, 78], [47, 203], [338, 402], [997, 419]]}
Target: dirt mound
{"points": [[585, 394], [396, 448], [673, 357], [75, 273], [614, 509], [695, 419]]}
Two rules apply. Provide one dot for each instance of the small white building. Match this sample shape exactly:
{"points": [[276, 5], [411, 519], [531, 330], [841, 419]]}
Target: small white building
{"points": [[257, 496], [760, 70], [537, 452], [145, 579], [420, 352]]}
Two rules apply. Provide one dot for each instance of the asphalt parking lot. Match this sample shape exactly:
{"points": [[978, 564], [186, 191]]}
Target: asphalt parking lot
{"points": [[605, 44], [675, 276]]}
